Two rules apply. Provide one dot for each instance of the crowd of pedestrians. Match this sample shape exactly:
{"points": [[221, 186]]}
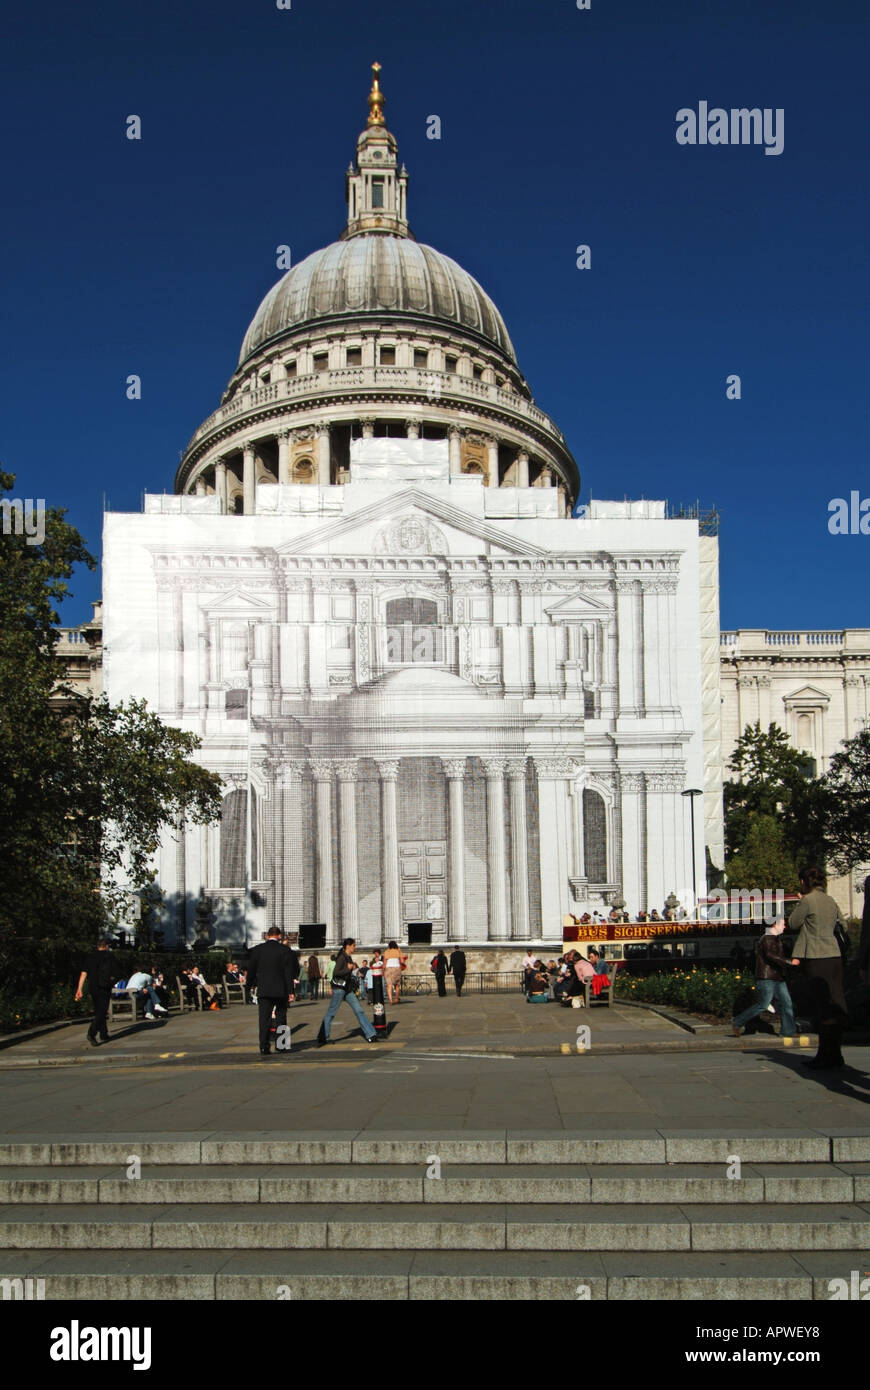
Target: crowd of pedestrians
{"points": [[276, 976]]}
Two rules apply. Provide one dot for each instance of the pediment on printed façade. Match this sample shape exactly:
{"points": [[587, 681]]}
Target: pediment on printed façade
{"points": [[238, 604], [409, 523], [576, 607]]}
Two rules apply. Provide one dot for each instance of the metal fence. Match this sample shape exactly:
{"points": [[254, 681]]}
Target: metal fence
{"points": [[476, 982]]}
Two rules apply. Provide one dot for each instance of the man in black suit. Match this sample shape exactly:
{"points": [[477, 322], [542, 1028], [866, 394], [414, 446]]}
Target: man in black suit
{"points": [[101, 970], [457, 968], [272, 971]]}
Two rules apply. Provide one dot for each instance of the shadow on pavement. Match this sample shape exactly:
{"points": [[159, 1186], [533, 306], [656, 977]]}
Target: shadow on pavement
{"points": [[848, 1081]]}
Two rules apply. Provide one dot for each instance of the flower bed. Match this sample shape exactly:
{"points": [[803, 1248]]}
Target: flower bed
{"points": [[716, 990]]}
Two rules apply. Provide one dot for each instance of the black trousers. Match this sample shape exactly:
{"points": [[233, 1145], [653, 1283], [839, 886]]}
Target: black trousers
{"points": [[265, 1007], [441, 981], [100, 1024], [825, 978], [459, 981]]}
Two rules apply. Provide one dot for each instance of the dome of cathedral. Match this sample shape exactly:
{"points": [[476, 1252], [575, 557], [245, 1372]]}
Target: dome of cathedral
{"points": [[377, 274], [377, 337]]}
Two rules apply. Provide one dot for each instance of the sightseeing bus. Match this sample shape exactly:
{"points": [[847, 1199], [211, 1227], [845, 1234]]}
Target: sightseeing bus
{"points": [[725, 932]]}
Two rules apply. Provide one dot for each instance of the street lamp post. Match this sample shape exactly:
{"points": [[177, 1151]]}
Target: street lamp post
{"points": [[249, 835], [692, 792]]}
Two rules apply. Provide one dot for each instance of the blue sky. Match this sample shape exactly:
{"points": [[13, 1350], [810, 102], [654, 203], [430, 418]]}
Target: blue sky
{"points": [[558, 128]]}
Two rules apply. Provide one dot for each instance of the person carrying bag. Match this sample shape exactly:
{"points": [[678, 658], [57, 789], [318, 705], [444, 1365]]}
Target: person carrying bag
{"points": [[818, 948], [345, 983]]}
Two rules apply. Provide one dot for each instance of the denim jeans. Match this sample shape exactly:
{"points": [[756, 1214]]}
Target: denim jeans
{"points": [[152, 997], [767, 991], [338, 995]]}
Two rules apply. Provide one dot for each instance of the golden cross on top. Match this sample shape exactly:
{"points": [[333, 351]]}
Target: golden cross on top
{"points": [[376, 99]]}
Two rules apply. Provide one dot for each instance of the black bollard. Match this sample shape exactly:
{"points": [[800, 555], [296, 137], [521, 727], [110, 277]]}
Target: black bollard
{"points": [[380, 1011]]}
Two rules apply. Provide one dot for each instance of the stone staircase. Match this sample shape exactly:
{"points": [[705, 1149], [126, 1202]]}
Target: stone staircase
{"points": [[366, 1216]]}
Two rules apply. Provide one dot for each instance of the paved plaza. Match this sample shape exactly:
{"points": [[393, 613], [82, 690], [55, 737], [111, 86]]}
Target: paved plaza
{"points": [[308, 1174], [480, 1063]]}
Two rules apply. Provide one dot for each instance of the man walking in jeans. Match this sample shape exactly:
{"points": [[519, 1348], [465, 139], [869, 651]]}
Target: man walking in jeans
{"points": [[770, 982], [101, 971]]}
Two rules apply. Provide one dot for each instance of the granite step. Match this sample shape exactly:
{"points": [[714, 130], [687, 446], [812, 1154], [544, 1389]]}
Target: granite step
{"points": [[458, 1183], [364, 1215], [359, 1275], [422, 1226], [466, 1147]]}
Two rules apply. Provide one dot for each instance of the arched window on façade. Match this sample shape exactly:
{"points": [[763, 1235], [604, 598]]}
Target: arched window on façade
{"points": [[595, 836], [234, 838], [413, 633]]}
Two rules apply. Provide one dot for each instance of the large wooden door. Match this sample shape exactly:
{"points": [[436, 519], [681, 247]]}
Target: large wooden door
{"points": [[423, 884]]}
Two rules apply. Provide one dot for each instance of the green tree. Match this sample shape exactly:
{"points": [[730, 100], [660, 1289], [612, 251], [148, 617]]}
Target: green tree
{"points": [[764, 861], [81, 783], [772, 778], [847, 788]]}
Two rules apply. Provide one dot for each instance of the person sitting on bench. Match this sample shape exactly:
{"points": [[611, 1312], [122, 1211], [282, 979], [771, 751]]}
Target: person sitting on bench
{"points": [[140, 982], [579, 969], [567, 983]]}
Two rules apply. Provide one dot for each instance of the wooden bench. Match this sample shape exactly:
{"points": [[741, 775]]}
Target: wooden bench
{"points": [[183, 986], [605, 996], [126, 1005], [233, 991], [205, 999]]}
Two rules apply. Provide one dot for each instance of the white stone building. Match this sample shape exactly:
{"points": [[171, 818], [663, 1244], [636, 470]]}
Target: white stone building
{"points": [[814, 684], [444, 697]]}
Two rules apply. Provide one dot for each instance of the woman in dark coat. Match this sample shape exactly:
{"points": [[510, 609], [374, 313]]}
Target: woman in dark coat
{"points": [[816, 947], [440, 966]]}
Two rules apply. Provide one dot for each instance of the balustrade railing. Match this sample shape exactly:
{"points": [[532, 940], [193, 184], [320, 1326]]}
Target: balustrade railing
{"points": [[739, 643], [476, 982], [432, 384]]}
